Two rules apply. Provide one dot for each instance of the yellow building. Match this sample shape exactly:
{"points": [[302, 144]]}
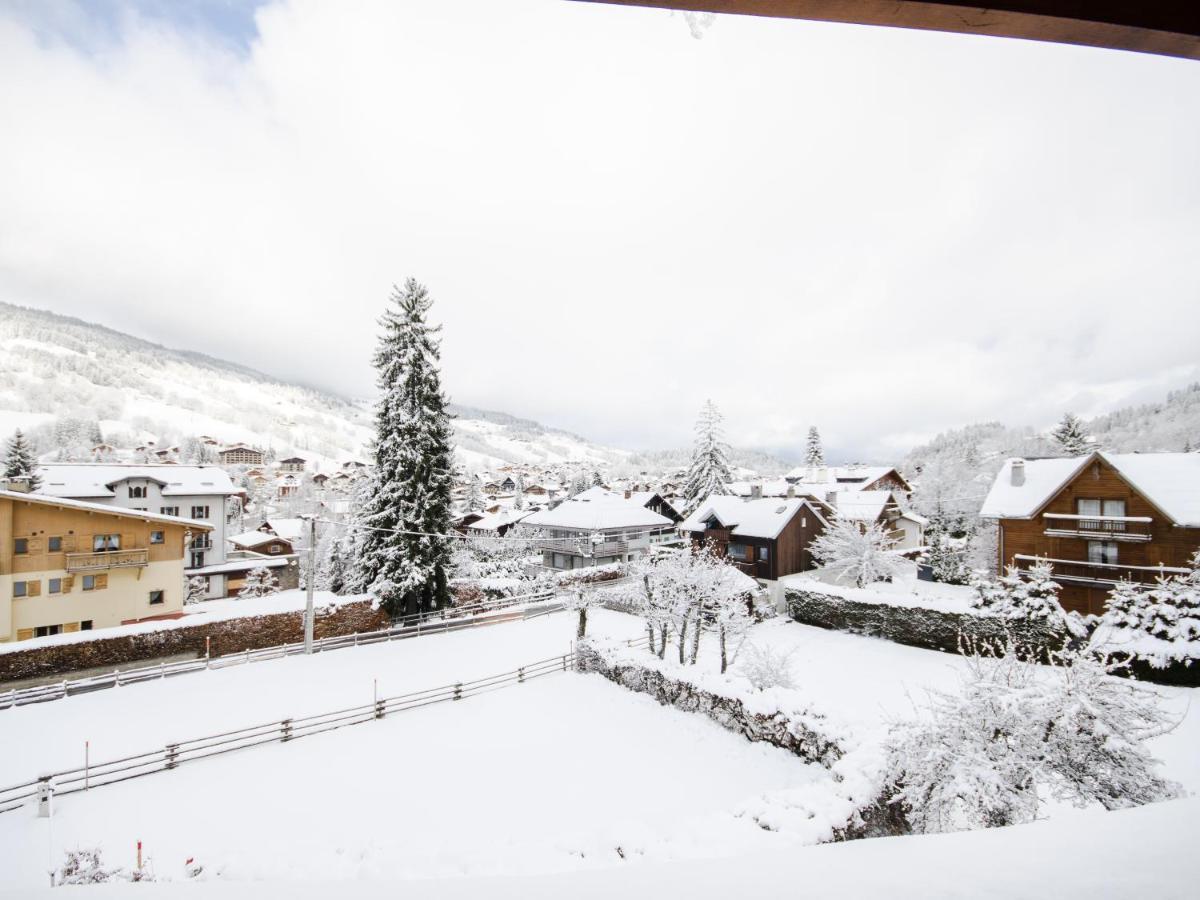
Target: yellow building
{"points": [[69, 565]]}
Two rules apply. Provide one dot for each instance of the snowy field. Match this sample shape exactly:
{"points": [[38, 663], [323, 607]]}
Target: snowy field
{"points": [[530, 791]]}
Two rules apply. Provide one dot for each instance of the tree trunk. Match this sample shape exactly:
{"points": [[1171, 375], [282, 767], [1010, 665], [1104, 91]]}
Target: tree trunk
{"points": [[696, 632], [662, 640], [683, 637], [724, 661], [650, 634], [582, 623]]}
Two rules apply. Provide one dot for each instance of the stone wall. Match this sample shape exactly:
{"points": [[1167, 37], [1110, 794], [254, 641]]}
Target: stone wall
{"points": [[226, 636]]}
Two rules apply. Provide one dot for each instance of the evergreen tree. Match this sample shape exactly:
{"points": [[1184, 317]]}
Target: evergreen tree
{"points": [[260, 582], [597, 479], [19, 463], [709, 472], [414, 465], [474, 495], [1070, 435], [813, 454]]}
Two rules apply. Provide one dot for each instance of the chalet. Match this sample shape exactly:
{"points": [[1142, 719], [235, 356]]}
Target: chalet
{"points": [[765, 537], [819, 481], [584, 532], [649, 499], [292, 530], [194, 492], [287, 485], [1098, 519], [241, 455], [497, 524], [883, 508], [263, 543], [293, 464], [508, 485], [71, 565]]}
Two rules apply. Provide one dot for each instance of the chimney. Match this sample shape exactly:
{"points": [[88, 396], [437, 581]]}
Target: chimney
{"points": [[20, 485], [756, 492], [628, 493], [1017, 472], [791, 492]]}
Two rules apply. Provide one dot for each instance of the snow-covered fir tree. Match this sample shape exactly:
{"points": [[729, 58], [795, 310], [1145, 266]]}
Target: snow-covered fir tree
{"points": [[597, 479], [860, 556], [404, 557], [1168, 611], [948, 557], [196, 590], [19, 462], [709, 471], [260, 582], [1071, 436], [814, 455], [1029, 595], [474, 495]]}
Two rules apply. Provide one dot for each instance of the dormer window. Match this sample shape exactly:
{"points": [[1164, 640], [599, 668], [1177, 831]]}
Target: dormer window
{"points": [[137, 492]]}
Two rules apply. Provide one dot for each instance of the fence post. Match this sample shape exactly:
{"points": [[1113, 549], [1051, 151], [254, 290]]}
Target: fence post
{"points": [[116, 677], [45, 797], [172, 756], [380, 708], [356, 639], [521, 675], [285, 728], [458, 691]]}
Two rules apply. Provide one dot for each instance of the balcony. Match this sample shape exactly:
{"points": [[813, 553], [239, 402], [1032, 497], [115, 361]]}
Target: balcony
{"points": [[1075, 571], [1098, 528], [111, 559]]}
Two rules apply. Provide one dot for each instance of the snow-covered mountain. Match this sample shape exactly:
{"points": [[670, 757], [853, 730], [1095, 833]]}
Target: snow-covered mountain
{"points": [[56, 369]]}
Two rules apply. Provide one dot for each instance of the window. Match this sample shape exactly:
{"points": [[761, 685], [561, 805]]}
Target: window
{"points": [[55, 586], [197, 560], [199, 512], [763, 554], [44, 630], [156, 537], [274, 548], [105, 543], [85, 625], [156, 597], [168, 510], [89, 582], [137, 493], [739, 551], [20, 588], [21, 546], [54, 544], [1104, 552]]}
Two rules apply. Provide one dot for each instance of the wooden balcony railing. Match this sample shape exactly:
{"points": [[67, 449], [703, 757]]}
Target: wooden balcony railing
{"points": [[1084, 572], [1098, 528], [112, 559]]}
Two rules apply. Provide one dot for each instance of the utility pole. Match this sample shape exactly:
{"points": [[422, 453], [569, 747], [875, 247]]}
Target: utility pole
{"points": [[312, 577]]}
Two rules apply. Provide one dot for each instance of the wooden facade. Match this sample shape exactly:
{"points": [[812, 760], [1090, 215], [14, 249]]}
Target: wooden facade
{"points": [[1133, 549], [768, 558]]}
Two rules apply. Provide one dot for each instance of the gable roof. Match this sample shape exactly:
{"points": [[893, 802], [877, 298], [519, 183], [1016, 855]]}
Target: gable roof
{"points": [[106, 509], [762, 518], [598, 514], [93, 480], [861, 506], [1170, 481]]}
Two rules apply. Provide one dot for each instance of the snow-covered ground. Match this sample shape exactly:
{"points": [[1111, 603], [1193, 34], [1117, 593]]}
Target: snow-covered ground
{"points": [[548, 777]]}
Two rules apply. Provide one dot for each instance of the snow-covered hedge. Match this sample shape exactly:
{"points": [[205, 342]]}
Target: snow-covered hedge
{"points": [[849, 804]]}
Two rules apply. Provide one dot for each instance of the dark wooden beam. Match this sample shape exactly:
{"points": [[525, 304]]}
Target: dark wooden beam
{"points": [[1166, 27]]}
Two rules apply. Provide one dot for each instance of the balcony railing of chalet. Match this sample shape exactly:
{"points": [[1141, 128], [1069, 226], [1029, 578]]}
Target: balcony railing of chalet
{"points": [[1107, 528], [111, 559], [607, 545], [1075, 570]]}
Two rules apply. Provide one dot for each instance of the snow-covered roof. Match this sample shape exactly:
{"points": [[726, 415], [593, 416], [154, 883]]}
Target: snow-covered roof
{"points": [[84, 480], [240, 565], [67, 503], [842, 478], [861, 506], [598, 513], [762, 518], [1171, 481], [641, 498], [497, 520], [288, 529], [254, 538]]}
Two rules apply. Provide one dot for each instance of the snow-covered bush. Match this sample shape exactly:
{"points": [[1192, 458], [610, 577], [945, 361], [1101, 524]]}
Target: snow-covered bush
{"points": [[1167, 612], [84, 866], [858, 555], [1016, 733], [948, 556], [1030, 596], [765, 667], [260, 582], [197, 590]]}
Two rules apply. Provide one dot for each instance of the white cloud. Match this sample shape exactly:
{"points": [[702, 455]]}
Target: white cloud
{"points": [[884, 232]]}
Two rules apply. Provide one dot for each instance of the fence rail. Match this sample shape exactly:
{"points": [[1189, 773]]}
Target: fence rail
{"points": [[475, 615]]}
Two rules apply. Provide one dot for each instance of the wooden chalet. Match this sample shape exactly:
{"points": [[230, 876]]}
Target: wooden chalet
{"points": [[1098, 519], [765, 537]]}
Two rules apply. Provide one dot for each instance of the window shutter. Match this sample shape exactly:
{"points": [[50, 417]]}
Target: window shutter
{"points": [[35, 545], [71, 626], [68, 583], [69, 544], [33, 588], [24, 634], [102, 581]]}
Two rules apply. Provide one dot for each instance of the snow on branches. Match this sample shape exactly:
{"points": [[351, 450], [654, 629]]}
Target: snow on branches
{"points": [[709, 471], [20, 463], [1027, 596], [856, 554], [1159, 623], [260, 582], [1016, 734]]}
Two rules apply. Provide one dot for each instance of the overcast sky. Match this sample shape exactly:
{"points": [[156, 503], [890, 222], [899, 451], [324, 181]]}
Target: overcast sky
{"points": [[886, 233]]}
